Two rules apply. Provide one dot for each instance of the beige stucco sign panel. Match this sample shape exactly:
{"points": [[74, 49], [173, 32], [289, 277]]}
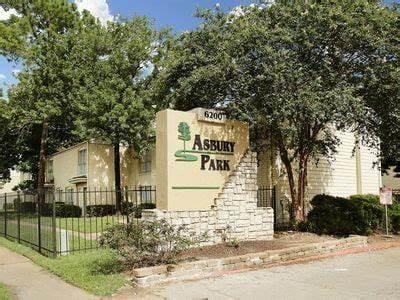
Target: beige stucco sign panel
{"points": [[195, 158]]}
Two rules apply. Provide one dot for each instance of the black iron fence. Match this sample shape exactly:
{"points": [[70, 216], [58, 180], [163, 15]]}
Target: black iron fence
{"points": [[267, 197], [64, 221]]}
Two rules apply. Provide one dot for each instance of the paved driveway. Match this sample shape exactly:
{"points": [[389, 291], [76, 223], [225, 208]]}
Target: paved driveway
{"points": [[369, 275]]}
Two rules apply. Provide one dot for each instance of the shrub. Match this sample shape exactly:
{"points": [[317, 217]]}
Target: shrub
{"points": [[394, 216], [341, 216], [8, 206], [137, 211], [100, 210], [130, 208], [126, 208], [62, 210], [393, 211], [27, 207], [370, 198], [146, 243], [395, 222]]}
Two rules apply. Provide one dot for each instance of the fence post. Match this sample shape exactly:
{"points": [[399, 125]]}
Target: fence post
{"points": [[5, 214], [274, 202], [155, 196], [39, 198], [127, 205], [19, 216], [54, 223]]}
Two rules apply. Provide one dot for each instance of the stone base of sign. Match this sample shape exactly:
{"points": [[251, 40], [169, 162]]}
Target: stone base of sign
{"points": [[217, 267], [235, 215]]}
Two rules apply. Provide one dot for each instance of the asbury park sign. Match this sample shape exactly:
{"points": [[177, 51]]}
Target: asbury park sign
{"points": [[204, 148]]}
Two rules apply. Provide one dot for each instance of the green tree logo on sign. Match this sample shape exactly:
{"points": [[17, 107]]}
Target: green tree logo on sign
{"points": [[184, 130], [184, 135]]}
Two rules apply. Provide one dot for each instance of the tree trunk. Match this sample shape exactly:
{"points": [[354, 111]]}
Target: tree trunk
{"points": [[292, 188], [117, 175], [42, 162], [297, 193], [298, 205]]}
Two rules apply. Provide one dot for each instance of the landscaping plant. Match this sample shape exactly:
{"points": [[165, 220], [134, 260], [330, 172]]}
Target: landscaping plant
{"points": [[342, 216], [147, 243], [393, 210]]}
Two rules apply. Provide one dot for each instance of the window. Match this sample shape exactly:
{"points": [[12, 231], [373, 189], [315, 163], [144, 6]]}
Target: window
{"points": [[50, 175], [145, 194], [82, 162], [145, 163], [69, 195]]}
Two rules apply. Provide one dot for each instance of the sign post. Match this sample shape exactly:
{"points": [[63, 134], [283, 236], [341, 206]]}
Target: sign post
{"points": [[385, 198]]}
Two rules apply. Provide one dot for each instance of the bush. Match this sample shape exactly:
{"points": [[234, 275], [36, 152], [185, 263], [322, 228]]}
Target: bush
{"points": [[147, 243], [27, 207], [127, 208], [394, 217], [8, 206], [341, 216], [130, 208], [395, 222], [370, 198], [137, 211], [62, 210], [100, 210], [393, 211]]}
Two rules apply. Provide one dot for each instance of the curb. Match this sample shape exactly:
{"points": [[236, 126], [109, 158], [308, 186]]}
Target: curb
{"points": [[211, 268]]}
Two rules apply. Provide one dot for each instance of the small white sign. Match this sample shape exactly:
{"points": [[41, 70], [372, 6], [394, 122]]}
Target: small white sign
{"points": [[64, 242], [385, 195], [210, 115]]}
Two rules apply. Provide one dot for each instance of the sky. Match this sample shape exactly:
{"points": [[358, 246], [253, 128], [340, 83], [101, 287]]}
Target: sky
{"points": [[175, 14]]}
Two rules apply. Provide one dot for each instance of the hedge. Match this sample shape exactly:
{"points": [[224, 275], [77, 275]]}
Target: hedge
{"points": [[129, 208], [360, 214], [27, 207], [342, 216], [100, 210], [393, 211], [62, 210]]}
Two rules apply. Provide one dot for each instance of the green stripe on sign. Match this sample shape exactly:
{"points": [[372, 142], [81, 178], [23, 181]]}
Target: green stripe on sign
{"points": [[195, 187], [208, 152]]}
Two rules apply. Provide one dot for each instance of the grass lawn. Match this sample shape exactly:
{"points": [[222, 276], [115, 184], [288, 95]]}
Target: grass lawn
{"points": [[29, 234], [94, 271], [4, 292], [83, 224], [89, 225]]}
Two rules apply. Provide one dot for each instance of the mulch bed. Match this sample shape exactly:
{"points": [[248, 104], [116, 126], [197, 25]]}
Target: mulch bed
{"points": [[281, 240]]}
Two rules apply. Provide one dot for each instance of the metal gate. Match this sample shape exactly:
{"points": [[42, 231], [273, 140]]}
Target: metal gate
{"points": [[267, 197]]}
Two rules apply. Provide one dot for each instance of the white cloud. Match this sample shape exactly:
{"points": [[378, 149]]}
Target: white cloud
{"points": [[15, 72], [2, 76], [98, 8], [5, 15]]}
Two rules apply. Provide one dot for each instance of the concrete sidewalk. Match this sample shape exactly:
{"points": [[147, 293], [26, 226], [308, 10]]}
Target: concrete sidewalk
{"points": [[29, 281]]}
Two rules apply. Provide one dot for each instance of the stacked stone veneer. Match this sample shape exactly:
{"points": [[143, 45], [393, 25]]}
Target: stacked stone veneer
{"points": [[234, 215]]}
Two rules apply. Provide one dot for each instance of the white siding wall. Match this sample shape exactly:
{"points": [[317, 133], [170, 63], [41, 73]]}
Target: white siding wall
{"points": [[339, 177], [347, 174], [370, 174]]}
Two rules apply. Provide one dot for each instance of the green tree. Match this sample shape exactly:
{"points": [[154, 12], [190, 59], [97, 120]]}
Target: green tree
{"points": [[295, 70], [43, 96], [114, 100], [9, 157]]}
